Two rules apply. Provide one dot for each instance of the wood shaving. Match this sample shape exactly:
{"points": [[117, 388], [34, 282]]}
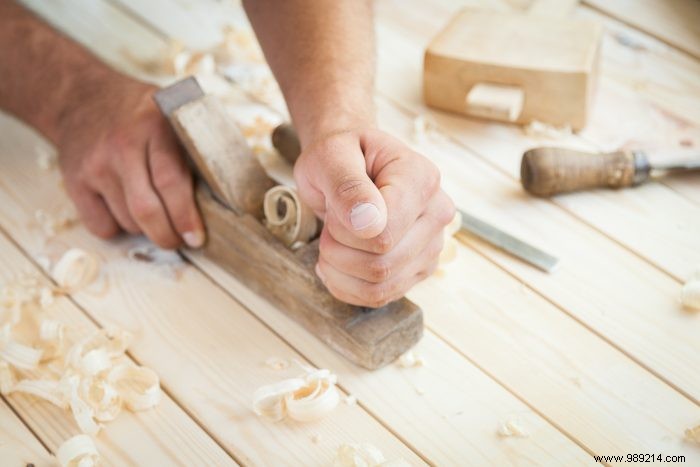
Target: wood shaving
{"points": [[316, 439], [540, 130], [308, 397], [693, 435], [287, 217], [46, 160], [424, 128], [449, 249], [364, 455], [78, 451], [350, 400], [409, 360], [276, 363], [51, 224], [690, 293], [76, 269], [512, 428]]}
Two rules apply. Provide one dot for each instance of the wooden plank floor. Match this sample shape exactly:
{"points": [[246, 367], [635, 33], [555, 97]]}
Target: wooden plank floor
{"points": [[595, 359]]}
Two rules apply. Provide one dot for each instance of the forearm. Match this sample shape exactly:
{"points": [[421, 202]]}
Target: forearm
{"points": [[45, 74], [322, 54]]}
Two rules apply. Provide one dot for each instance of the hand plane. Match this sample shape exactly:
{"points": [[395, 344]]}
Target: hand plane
{"points": [[230, 192]]}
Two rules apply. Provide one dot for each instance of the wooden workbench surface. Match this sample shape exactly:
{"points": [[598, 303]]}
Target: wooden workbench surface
{"points": [[598, 358]]}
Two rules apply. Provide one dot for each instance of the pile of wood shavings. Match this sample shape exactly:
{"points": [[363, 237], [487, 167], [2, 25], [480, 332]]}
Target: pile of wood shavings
{"points": [[42, 356], [690, 293], [364, 455]]}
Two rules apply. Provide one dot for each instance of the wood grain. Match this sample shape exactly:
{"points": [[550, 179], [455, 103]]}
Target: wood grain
{"points": [[208, 350], [371, 338], [676, 22], [165, 435], [18, 446]]}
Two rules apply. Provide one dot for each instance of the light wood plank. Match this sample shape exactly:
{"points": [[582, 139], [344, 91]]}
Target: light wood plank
{"points": [[676, 22], [207, 349], [652, 209], [164, 435], [572, 384], [18, 446]]}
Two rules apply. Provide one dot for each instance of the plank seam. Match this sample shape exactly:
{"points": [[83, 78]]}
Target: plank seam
{"points": [[10, 406]]}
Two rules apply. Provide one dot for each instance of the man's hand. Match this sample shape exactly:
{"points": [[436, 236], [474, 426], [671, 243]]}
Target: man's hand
{"points": [[121, 163], [123, 168], [384, 213]]}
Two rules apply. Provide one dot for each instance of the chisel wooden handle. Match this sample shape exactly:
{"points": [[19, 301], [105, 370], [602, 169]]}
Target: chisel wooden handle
{"points": [[550, 171]]}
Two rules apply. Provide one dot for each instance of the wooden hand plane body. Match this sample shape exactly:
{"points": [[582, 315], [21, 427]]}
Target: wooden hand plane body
{"points": [[230, 197]]}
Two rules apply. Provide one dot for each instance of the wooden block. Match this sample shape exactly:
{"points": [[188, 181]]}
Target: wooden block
{"points": [[241, 245], [553, 62]]}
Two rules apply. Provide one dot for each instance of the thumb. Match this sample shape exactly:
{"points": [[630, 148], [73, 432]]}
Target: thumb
{"points": [[350, 194]]}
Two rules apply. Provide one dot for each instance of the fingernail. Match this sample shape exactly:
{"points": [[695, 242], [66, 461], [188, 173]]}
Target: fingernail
{"points": [[364, 215], [320, 274], [193, 239]]}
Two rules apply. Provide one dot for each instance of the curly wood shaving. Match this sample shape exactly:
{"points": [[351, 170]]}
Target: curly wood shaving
{"points": [[138, 386], [364, 455], [308, 397], [512, 428], [287, 217], [46, 160], [693, 435], [78, 451], [76, 269], [7, 378], [690, 293]]}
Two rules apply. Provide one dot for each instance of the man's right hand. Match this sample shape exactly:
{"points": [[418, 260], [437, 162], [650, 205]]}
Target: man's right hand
{"points": [[123, 168]]}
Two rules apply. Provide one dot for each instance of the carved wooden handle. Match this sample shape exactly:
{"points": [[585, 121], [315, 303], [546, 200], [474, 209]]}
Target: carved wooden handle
{"points": [[549, 171]]}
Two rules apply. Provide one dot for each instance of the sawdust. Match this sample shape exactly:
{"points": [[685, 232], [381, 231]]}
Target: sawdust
{"points": [[52, 224], [693, 435], [424, 128], [409, 360], [540, 130], [364, 455]]}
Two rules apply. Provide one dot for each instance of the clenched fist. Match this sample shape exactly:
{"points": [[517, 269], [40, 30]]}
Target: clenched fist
{"points": [[384, 214], [123, 168]]}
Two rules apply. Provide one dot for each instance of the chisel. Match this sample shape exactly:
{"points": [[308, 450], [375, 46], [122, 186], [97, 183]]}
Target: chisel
{"points": [[285, 140], [550, 171]]}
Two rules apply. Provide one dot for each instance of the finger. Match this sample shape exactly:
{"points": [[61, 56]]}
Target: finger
{"points": [[144, 204], [439, 211], [375, 268], [173, 182], [113, 196], [362, 293], [93, 211], [340, 174]]}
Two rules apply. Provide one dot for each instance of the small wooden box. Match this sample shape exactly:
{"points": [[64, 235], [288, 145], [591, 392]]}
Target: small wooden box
{"points": [[550, 63]]}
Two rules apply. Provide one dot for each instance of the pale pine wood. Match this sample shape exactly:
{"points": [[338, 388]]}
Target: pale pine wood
{"points": [[565, 382], [551, 61], [163, 435], [621, 215], [207, 349], [676, 22], [18, 446]]}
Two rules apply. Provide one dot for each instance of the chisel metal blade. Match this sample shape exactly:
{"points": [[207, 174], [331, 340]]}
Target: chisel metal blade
{"points": [[508, 243]]}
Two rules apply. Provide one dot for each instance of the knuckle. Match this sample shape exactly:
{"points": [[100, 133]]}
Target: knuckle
{"points": [[432, 180], [383, 243], [144, 208], [349, 188], [168, 178], [379, 270], [104, 231], [376, 295]]}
